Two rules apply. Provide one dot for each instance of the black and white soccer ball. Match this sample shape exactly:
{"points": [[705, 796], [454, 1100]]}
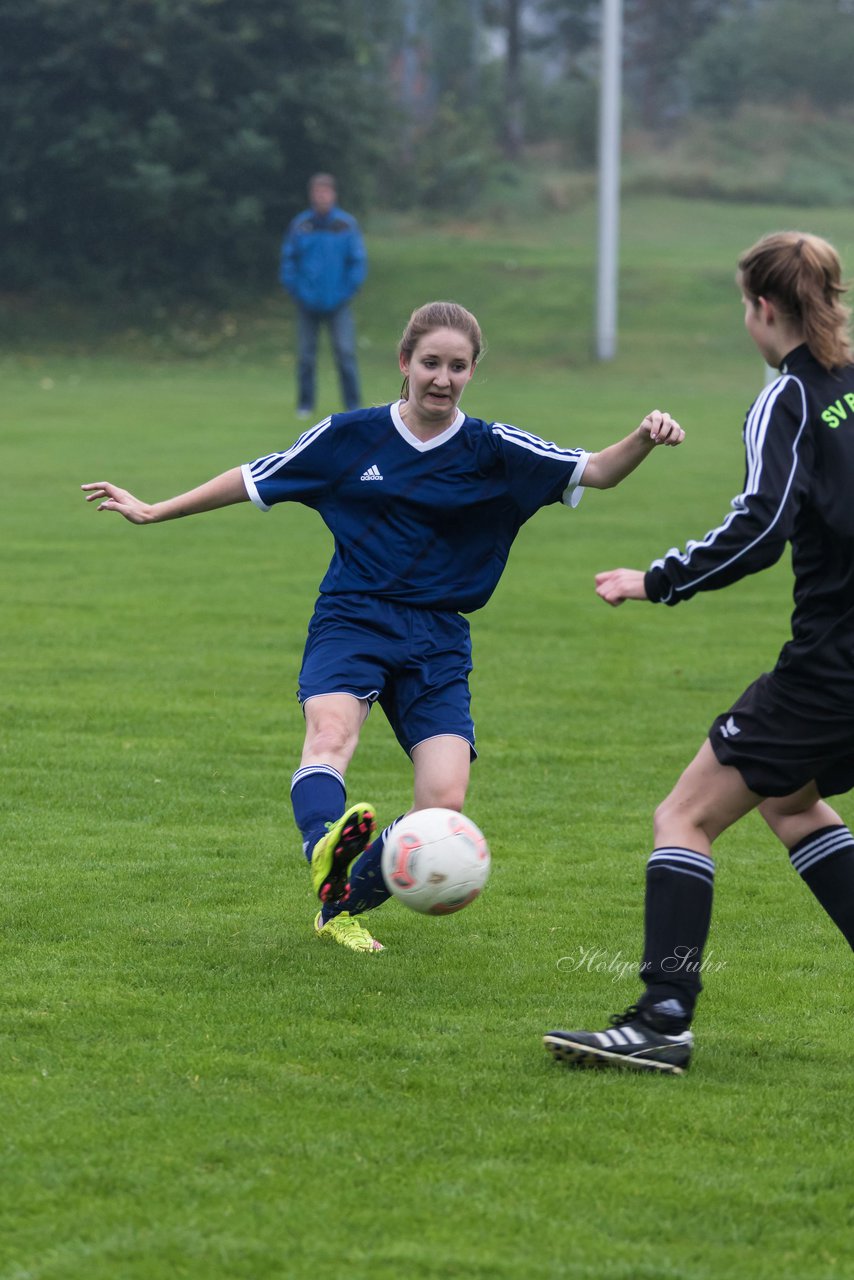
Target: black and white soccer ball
{"points": [[436, 861]]}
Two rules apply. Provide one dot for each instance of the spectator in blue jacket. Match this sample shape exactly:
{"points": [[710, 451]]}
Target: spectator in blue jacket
{"points": [[323, 266]]}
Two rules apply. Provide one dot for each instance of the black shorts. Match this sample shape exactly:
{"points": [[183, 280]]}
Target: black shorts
{"points": [[783, 733]]}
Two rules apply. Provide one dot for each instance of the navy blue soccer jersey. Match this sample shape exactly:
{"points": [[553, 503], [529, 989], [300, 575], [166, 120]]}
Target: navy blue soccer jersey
{"points": [[425, 523]]}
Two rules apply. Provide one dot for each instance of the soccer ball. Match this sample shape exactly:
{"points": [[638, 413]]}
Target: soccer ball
{"points": [[435, 861]]}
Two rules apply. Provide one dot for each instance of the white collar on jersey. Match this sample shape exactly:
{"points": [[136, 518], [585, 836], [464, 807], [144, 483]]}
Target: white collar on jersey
{"points": [[434, 441]]}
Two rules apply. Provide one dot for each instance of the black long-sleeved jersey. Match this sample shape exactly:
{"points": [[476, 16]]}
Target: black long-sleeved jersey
{"points": [[799, 488]]}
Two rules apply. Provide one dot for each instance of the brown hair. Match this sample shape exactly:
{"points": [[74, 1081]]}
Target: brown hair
{"points": [[439, 315], [802, 275]]}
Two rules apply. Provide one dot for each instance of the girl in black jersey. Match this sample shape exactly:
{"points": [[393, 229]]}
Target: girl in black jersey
{"points": [[788, 742]]}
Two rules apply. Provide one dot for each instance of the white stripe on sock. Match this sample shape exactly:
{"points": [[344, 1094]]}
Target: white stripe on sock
{"points": [[307, 770], [685, 861], [810, 854]]}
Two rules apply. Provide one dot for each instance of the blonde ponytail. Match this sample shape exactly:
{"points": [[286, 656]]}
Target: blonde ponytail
{"points": [[802, 275]]}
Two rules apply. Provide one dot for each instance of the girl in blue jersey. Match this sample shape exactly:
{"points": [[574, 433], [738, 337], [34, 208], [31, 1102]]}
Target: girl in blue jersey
{"points": [[423, 503], [788, 742]]}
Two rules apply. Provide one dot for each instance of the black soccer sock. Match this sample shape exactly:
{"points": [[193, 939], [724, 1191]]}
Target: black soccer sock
{"points": [[825, 862], [679, 891]]}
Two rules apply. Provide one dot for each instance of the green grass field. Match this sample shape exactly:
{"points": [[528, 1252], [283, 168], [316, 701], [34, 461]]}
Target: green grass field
{"points": [[193, 1085]]}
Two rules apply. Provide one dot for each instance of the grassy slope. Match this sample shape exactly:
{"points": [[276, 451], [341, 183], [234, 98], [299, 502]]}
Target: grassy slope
{"points": [[192, 1085]]}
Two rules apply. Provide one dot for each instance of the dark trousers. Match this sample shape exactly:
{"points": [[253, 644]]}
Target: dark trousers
{"points": [[342, 334]]}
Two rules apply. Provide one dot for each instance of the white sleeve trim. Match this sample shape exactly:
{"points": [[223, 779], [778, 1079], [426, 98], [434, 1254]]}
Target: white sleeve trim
{"points": [[574, 491], [251, 489], [755, 434]]}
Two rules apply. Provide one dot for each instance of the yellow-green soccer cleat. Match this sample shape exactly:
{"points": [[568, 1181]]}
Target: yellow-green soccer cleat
{"points": [[346, 930], [335, 853]]}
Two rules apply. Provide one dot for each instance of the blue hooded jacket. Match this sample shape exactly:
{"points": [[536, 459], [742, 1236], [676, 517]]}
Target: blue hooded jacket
{"points": [[323, 259]]}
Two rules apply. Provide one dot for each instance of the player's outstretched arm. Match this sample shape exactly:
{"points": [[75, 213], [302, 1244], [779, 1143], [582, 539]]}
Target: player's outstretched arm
{"points": [[617, 585], [611, 465], [222, 491]]}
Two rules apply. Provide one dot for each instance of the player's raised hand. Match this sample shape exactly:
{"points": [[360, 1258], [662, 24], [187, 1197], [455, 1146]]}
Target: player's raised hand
{"points": [[616, 585], [661, 428], [111, 498]]}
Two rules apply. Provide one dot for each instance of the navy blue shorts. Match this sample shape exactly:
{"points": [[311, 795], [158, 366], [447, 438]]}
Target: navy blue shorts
{"points": [[783, 733], [414, 662]]}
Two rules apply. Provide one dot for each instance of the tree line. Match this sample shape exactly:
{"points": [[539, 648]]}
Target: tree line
{"points": [[161, 146]]}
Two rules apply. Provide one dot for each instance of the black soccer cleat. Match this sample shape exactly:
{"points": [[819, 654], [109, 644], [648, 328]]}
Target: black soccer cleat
{"points": [[643, 1039]]}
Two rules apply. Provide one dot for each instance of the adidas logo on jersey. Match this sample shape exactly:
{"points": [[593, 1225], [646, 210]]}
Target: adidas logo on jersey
{"points": [[372, 473], [730, 729]]}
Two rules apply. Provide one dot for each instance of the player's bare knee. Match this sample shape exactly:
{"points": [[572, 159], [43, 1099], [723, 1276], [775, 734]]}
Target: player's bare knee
{"points": [[332, 739], [452, 799], [664, 814], [441, 796], [678, 821], [770, 811]]}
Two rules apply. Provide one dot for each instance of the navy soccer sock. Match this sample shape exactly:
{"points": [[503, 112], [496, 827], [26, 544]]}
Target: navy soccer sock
{"points": [[679, 892], [825, 862], [368, 888], [318, 796]]}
